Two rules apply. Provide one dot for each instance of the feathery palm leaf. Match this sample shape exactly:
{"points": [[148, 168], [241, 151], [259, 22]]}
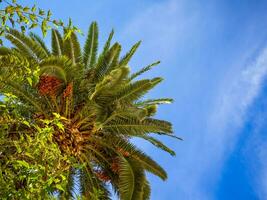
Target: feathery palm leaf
{"points": [[90, 48]]}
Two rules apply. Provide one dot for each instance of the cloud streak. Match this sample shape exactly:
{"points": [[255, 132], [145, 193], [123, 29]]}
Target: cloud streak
{"points": [[205, 157], [163, 27], [228, 116]]}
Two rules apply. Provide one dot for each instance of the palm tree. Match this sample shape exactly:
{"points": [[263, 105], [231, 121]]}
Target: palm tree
{"points": [[100, 104]]}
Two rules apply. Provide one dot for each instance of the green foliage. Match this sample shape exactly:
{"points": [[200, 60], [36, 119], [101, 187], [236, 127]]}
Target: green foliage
{"points": [[74, 111], [57, 43], [143, 70], [31, 164], [127, 180], [90, 48], [14, 14]]}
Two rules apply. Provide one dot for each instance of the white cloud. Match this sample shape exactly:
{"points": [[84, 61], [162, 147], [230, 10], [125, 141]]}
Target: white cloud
{"points": [[201, 163], [225, 122], [165, 27], [233, 103]]}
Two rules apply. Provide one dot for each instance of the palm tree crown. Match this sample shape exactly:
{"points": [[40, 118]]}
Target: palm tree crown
{"points": [[100, 104]]}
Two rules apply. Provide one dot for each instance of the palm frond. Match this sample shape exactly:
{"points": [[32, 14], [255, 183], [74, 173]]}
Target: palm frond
{"points": [[143, 70], [5, 51], [144, 160], [70, 189], [72, 48], [154, 102], [139, 182], [91, 187], [127, 179], [146, 191], [125, 60], [20, 46], [108, 42], [60, 67], [110, 82], [38, 39], [26, 45], [158, 144], [135, 127], [57, 43], [107, 63], [91, 46], [136, 90]]}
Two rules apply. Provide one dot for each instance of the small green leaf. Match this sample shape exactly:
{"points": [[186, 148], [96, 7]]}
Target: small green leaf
{"points": [[63, 177], [33, 8], [56, 115], [60, 126], [58, 186], [4, 20], [41, 12], [44, 27], [19, 150], [26, 123], [26, 9], [56, 180], [32, 17], [23, 29], [49, 14], [29, 81], [33, 25], [23, 163], [9, 10], [50, 181], [29, 155]]}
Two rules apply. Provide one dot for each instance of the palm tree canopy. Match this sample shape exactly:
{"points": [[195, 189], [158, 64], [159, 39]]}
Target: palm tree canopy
{"points": [[100, 104]]}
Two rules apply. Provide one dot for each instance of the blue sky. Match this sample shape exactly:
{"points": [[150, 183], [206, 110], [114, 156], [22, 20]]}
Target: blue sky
{"points": [[214, 61]]}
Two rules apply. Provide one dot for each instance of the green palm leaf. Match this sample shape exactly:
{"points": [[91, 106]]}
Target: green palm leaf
{"points": [[146, 191], [107, 63], [135, 127], [154, 102], [143, 70], [158, 144], [136, 90], [57, 43], [24, 43], [40, 41], [91, 45], [140, 178], [107, 44], [127, 180], [125, 60], [72, 48]]}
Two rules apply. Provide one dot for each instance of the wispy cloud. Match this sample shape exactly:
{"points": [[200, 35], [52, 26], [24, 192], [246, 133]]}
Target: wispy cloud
{"points": [[228, 117], [206, 156], [165, 27]]}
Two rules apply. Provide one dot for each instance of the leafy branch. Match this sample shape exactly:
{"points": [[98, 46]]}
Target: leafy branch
{"points": [[13, 14]]}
